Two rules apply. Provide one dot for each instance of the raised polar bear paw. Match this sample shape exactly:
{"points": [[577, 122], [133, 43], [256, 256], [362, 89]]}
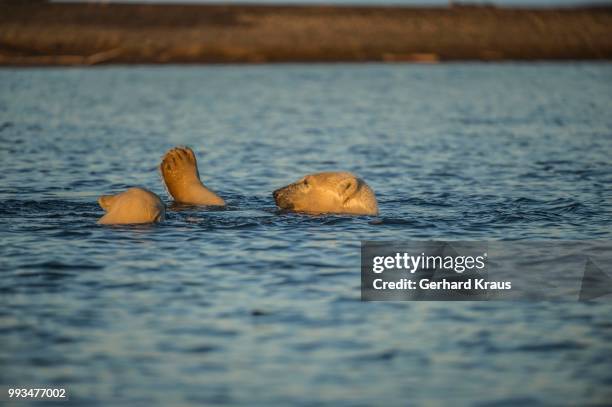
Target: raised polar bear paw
{"points": [[328, 192], [179, 170], [136, 205]]}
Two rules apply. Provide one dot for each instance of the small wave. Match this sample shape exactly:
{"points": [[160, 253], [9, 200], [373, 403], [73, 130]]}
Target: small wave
{"points": [[532, 210], [48, 275], [525, 200], [512, 402], [551, 347], [400, 222], [336, 220], [385, 355], [56, 265], [202, 349], [569, 207]]}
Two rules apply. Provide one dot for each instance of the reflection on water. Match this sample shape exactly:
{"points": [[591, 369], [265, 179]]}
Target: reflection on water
{"points": [[253, 306]]}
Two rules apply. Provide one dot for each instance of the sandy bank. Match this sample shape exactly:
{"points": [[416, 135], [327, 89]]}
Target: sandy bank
{"points": [[73, 34]]}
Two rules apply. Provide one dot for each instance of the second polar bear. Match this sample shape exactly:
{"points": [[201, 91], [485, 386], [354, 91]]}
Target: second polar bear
{"points": [[136, 205]]}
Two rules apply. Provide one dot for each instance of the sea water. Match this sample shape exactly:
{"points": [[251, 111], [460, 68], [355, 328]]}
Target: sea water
{"points": [[248, 305]]}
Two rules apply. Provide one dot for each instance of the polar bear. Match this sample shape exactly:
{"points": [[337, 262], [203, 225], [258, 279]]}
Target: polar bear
{"points": [[179, 171], [328, 192], [136, 205]]}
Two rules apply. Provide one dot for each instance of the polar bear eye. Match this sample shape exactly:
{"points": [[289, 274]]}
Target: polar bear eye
{"points": [[306, 182]]}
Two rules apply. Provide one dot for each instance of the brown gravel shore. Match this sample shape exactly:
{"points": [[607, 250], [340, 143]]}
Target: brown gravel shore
{"points": [[37, 33]]}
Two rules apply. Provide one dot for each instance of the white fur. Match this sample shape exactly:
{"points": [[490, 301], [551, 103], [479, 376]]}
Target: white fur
{"points": [[136, 205]]}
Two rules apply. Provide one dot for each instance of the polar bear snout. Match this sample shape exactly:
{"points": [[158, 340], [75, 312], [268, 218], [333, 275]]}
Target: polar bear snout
{"points": [[275, 194], [282, 198]]}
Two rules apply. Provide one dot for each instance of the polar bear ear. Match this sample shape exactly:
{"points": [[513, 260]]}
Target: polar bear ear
{"points": [[348, 188]]}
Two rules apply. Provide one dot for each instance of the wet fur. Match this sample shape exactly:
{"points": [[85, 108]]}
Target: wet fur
{"points": [[328, 192]]}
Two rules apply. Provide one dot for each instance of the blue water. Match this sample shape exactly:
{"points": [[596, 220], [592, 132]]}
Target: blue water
{"points": [[249, 306]]}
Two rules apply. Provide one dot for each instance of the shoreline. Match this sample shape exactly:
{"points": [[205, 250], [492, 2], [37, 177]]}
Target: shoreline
{"points": [[51, 34]]}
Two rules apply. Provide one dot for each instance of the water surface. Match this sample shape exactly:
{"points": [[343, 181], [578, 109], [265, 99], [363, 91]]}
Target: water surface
{"points": [[250, 306]]}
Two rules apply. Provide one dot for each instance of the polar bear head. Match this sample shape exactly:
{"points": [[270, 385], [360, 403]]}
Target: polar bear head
{"points": [[328, 192], [136, 205]]}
